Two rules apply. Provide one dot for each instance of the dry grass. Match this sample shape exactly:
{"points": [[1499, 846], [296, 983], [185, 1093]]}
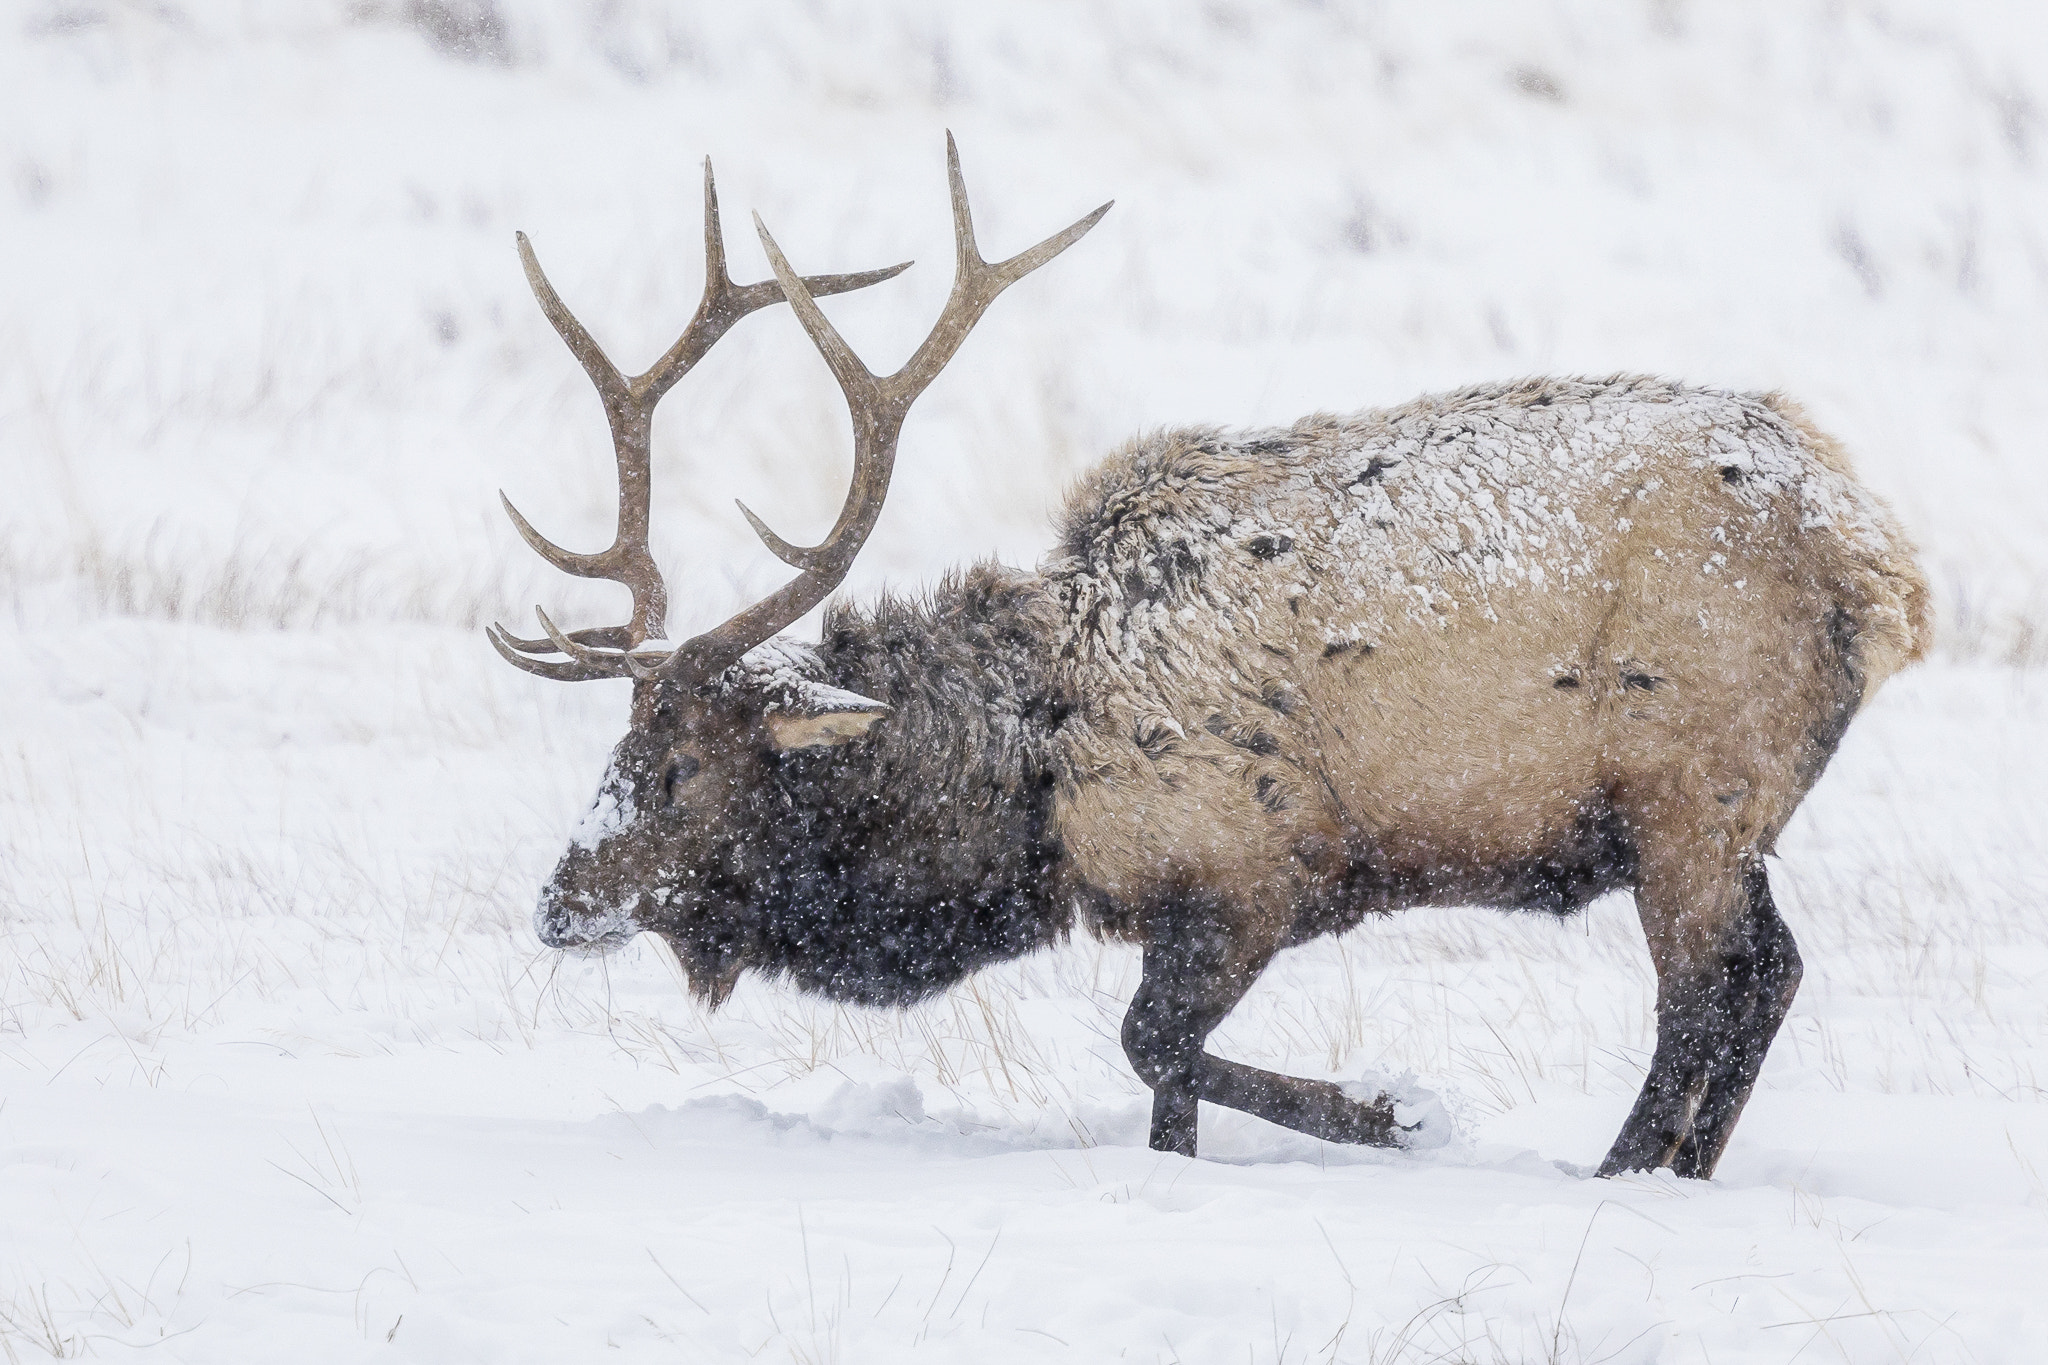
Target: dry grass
{"points": [[121, 914]]}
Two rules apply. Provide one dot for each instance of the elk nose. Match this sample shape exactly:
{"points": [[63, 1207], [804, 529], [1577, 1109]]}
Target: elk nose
{"points": [[556, 919]]}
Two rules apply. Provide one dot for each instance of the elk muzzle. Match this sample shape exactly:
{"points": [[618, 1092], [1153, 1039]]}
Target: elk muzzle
{"points": [[572, 921]]}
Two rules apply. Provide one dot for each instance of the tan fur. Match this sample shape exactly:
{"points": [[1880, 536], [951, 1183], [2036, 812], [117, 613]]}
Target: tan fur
{"points": [[1297, 648], [1897, 609]]}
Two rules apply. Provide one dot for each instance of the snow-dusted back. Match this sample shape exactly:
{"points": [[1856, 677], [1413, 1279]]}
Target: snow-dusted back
{"points": [[1435, 512]]}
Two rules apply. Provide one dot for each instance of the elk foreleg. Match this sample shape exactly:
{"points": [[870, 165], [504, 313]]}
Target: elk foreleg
{"points": [[1727, 969], [1193, 977]]}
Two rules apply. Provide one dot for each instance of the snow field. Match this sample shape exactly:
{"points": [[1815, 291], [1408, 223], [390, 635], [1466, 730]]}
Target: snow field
{"points": [[285, 1065], [283, 1073]]}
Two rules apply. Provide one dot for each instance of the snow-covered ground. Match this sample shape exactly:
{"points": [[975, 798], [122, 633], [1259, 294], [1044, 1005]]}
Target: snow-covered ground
{"points": [[283, 1074]]}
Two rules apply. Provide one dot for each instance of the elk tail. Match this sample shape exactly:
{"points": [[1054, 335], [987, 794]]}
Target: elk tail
{"points": [[1878, 577]]}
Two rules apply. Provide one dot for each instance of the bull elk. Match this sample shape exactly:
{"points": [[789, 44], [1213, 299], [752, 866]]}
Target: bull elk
{"points": [[1516, 645]]}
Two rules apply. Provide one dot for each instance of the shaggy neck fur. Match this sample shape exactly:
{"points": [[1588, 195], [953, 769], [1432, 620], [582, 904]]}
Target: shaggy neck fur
{"points": [[894, 865]]}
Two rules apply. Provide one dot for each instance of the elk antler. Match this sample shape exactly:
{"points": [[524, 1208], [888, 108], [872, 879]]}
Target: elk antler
{"points": [[878, 406], [607, 651]]}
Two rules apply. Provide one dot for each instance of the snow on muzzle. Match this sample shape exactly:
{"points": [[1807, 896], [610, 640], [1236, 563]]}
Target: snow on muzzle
{"points": [[572, 924], [588, 905]]}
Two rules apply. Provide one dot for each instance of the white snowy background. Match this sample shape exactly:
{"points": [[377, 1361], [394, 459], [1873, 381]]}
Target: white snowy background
{"points": [[283, 1072]]}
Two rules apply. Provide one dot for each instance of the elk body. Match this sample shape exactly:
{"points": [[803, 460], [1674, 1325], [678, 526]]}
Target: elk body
{"points": [[1517, 645]]}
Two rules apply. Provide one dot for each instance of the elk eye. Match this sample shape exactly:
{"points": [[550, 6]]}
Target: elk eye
{"points": [[681, 769]]}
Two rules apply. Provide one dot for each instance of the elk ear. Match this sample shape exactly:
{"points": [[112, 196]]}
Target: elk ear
{"points": [[824, 715], [811, 732]]}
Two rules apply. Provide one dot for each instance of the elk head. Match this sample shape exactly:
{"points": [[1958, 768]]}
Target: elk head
{"points": [[689, 804]]}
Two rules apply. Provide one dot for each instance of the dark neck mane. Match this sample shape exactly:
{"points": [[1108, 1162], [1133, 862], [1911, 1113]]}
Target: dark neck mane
{"points": [[912, 857]]}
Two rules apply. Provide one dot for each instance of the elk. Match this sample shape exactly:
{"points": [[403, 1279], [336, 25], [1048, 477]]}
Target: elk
{"points": [[1516, 645]]}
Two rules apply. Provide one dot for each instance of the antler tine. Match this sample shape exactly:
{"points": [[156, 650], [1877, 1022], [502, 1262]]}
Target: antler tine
{"points": [[976, 283], [582, 345], [640, 666], [877, 406], [605, 651], [630, 416], [514, 651], [725, 303]]}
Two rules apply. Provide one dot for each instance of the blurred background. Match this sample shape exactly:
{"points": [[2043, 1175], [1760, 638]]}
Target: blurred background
{"points": [[266, 352]]}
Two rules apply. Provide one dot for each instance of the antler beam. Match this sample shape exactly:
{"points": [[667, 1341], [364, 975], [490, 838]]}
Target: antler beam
{"points": [[629, 403], [878, 406]]}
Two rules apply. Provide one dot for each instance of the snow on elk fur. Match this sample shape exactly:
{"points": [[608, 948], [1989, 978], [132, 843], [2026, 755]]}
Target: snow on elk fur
{"points": [[1517, 645]]}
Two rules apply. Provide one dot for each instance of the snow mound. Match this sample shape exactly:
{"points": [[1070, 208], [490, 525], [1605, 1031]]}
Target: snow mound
{"points": [[1427, 1122]]}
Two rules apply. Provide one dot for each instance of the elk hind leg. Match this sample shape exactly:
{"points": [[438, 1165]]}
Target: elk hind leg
{"points": [[1726, 971], [1195, 972], [1763, 975]]}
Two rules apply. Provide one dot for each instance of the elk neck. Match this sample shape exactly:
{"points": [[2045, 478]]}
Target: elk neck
{"points": [[911, 858]]}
